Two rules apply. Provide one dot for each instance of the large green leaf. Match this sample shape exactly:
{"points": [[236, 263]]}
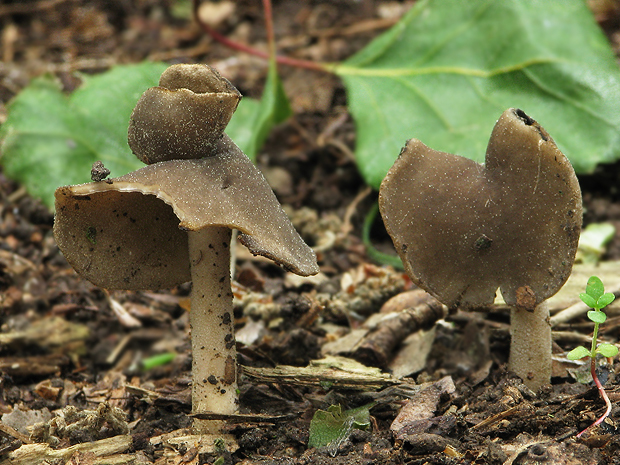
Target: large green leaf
{"points": [[449, 68], [253, 119], [50, 139]]}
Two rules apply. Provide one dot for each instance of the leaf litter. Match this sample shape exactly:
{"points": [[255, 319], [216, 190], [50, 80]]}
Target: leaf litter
{"points": [[490, 417]]}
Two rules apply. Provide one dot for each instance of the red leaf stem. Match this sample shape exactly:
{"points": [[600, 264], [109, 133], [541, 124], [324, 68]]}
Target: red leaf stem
{"points": [[284, 60]]}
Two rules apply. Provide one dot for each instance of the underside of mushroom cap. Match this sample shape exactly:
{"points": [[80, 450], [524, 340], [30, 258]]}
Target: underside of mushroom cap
{"points": [[463, 229], [130, 233]]}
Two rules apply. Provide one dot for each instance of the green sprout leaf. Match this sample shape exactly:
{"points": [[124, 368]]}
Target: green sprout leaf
{"points": [[597, 317], [449, 68], [588, 300], [332, 427], [157, 360], [607, 350], [251, 123], [604, 300], [578, 353], [595, 288], [50, 139]]}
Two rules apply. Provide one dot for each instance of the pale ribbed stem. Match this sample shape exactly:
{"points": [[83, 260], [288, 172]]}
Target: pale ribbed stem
{"points": [[214, 371], [530, 346]]}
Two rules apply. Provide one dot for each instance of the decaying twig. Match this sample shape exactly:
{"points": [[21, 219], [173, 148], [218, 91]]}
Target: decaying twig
{"points": [[331, 371], [376, 347], [36, 454], [10, 431]]}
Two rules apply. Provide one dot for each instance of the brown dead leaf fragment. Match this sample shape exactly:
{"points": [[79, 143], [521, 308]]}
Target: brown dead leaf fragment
{"points": [[422, 406]]}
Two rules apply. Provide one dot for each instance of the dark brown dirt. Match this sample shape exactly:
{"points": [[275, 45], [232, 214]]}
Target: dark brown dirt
{"points": [[65, 346]]}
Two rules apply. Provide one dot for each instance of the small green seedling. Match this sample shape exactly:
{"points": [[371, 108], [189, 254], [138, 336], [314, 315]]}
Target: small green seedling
{"points": [[596, 298]]}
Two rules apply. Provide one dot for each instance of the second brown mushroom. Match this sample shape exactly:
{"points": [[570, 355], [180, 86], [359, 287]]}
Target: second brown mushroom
{"points": [[170, 222], [463, 229]]}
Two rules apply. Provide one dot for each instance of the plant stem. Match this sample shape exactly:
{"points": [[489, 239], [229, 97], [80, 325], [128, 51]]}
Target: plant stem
{"points": [[325, 67], [599, 386], [371, 251], [271, 37], [603, 394], [594, 338]]}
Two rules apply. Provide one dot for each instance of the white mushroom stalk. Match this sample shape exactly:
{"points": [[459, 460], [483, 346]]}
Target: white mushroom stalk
{"points": [[212, 323], [531, 361]]}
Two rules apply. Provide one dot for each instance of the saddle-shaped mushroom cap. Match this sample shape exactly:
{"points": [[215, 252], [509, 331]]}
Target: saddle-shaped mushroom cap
{"points": [[463, 229], [130, 233], [184, 117]]}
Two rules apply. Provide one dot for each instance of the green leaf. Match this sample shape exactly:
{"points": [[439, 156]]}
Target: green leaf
{"points": [[578, 353], [604, 300], [240, 128], [251, 123], [597, 316], [449, 68], [595, 288], [593, 240], [50, 139], [373, 253], [332, 427], [607, 350], [157, 360], [588, 300]]}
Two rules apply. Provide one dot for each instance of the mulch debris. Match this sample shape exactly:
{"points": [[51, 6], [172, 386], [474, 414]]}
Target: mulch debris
{"points": [[73, 384]]}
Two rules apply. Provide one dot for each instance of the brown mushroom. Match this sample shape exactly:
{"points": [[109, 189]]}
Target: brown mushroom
{"points": [[463, 229], [170, 222]]}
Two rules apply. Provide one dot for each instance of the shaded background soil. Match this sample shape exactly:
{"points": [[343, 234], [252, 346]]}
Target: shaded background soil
{"points": [[63, 344]]}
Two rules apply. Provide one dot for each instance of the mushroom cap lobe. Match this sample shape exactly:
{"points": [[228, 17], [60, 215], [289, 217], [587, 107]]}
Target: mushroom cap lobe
{"points": [[184, 117], [463, 229]]}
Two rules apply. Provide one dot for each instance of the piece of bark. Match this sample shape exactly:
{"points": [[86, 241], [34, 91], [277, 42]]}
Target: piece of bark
{"points": [[53, 333], [36, 454], [184, 439], [337, 372], [33, 366], [376, 348], [405, 300], [10, 431]]}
